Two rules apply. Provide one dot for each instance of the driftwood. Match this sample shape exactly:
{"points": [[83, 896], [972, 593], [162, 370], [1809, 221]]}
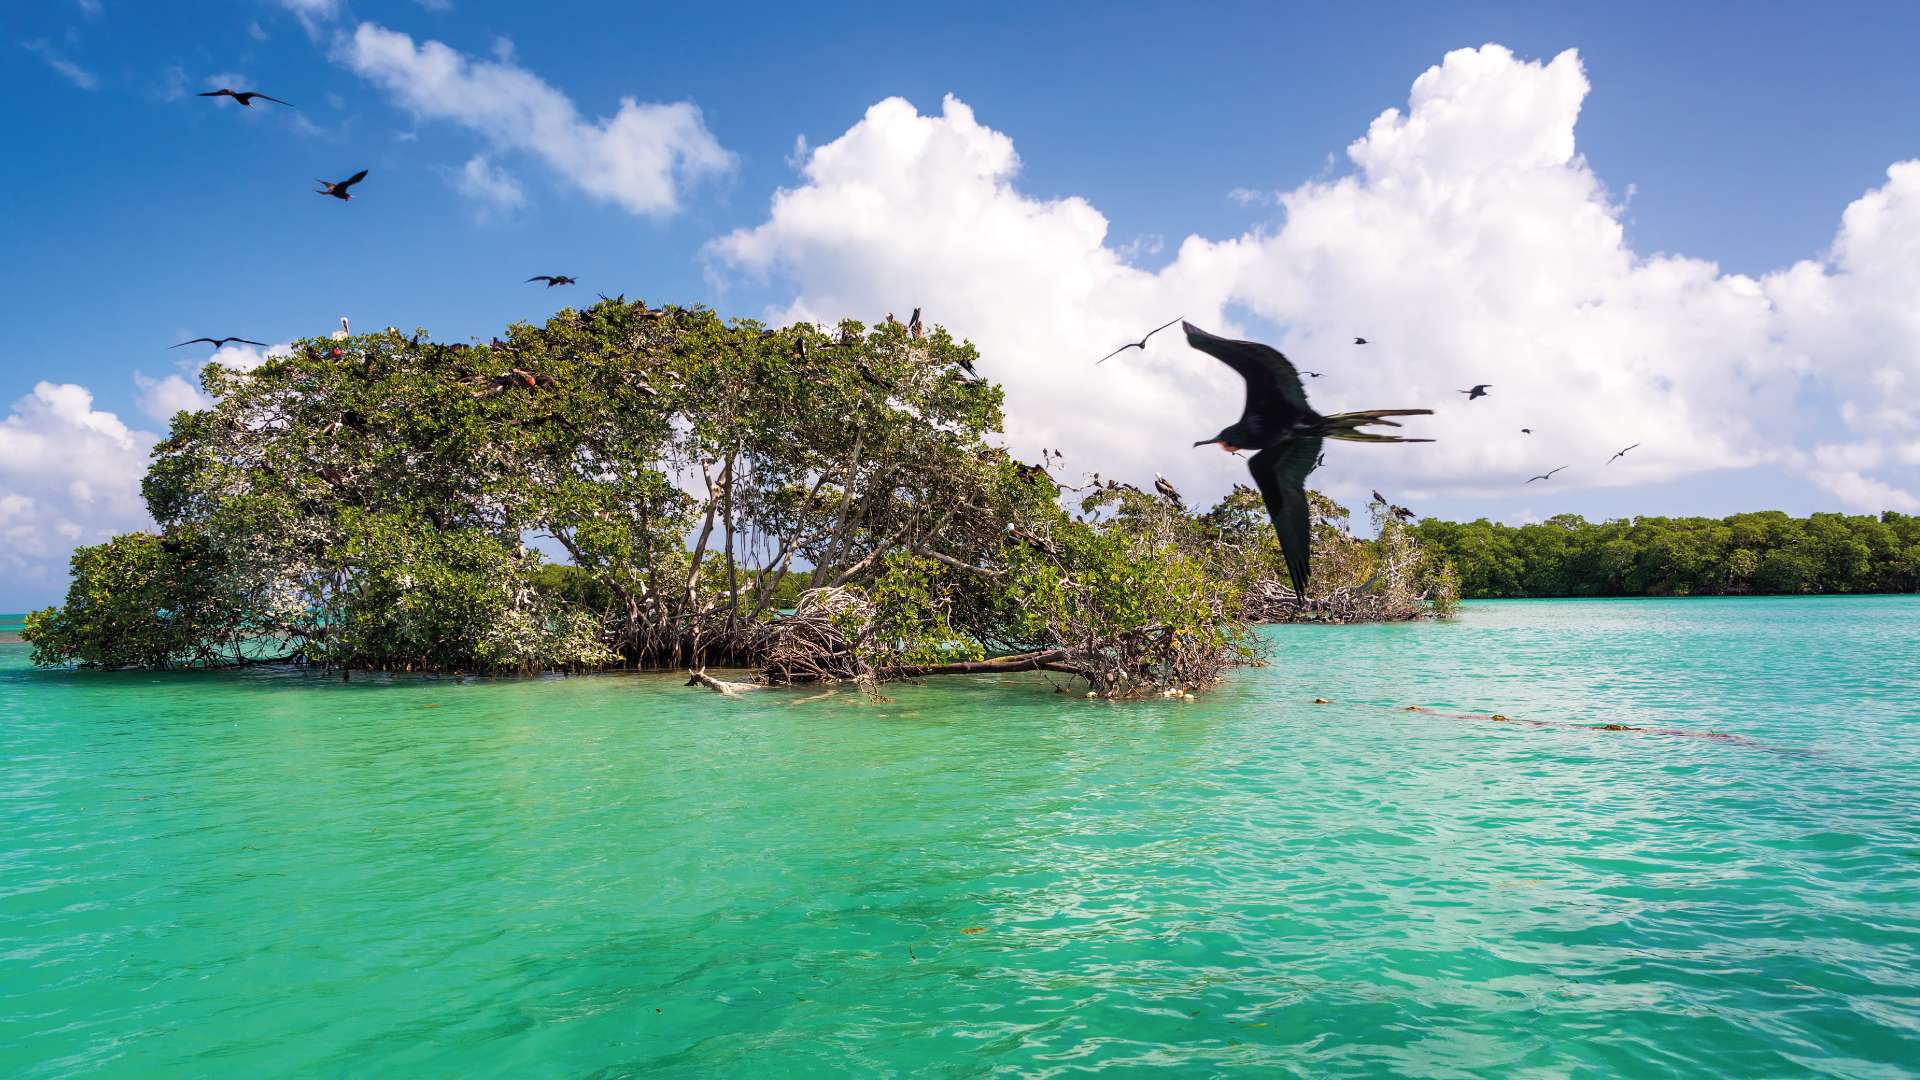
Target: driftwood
{"points": [[730, 689]]}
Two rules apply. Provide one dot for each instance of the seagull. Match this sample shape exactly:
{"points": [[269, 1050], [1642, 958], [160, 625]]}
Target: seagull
{"points": [[1165, 487], [1141, 344], [1548, 475], [219, 343], [1361, 341], [1479, 391], [1620, 455], [1278, 422], [244, 97], [552, 280], [339, 190]]}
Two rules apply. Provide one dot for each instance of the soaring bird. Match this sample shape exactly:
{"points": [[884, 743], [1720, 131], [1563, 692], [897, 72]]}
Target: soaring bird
{"points": [[1621, 454], [1165, 487], [1548, 475], [1278, 422], [914, 329], [552, 279], [1141, 344], [1479, 391], [1526, 431], [339, 190], [1360, 341], [244, 97], [1311, 374], [220, 342]]}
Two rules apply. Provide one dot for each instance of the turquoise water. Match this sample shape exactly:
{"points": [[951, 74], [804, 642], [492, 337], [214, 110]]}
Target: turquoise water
{"points": [[279, 874]]}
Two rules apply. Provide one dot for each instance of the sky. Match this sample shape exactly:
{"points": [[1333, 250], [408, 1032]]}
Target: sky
{"points": [[1697, 230]]}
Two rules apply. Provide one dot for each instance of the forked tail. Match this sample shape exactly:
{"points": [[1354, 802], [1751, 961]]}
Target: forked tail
{"points": [[1347, 425]]}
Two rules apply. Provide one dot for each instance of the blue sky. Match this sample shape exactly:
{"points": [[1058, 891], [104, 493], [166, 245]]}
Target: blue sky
{"points": [[136, 216]]}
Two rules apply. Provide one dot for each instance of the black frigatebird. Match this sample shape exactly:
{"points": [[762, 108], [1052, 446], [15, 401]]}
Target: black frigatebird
{"points": [[219, 342], [1141, 344], [244, 97], [1620, 455], [1278, 422], [1360, 341], [1526, 431], [1165, 487], [551, 280], [1548, 475], [1479, 391], [339, 190]]}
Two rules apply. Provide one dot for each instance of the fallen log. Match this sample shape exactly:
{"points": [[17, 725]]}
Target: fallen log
{"points": [[730, 689], [1047, 659]]}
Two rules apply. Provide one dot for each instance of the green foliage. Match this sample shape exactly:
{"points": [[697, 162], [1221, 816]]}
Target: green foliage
{"points": [[137, 600], [1766, 552]]}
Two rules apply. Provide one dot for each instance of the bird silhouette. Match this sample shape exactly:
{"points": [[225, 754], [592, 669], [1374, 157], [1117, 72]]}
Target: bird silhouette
{"points": [[1311, 374], [339, 190], [1165, 487], [219, 343], [1141, 344], [1548, 475], [1278, 422], [1402, 513], [1526, 431], [1361, 341], [1379, 498], [244, 97], [1479, 391], [552, 279], [1617, 456]]}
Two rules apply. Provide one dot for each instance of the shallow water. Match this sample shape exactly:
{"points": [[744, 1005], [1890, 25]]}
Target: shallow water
{"points": [[274, 873]]}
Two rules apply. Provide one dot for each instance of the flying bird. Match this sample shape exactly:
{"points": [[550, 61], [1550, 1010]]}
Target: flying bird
{"points": [[1361, 341], [339, 190], [1165, 487], [1548, 475], [552, 279], [1278, 422], [219, 343], [244, 97], [1526, 431], [1141, 344], [1621, 454], [1479, 391], [1311, 374]]}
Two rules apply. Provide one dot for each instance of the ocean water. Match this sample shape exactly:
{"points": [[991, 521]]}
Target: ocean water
{"points": [[277, 874]]}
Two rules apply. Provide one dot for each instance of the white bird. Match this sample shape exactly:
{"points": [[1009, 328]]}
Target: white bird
{"points": [[342, 333]]}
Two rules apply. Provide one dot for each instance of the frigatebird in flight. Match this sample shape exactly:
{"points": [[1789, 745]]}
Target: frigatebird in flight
{"points": [[339, 190], [1361, 341], [1278, 422], [219, 342], [1548, 475], [1311, 374], [244, 97], [552, 279], [1526, 431], [1620, 455], [1479, 391], [1141, 344]]}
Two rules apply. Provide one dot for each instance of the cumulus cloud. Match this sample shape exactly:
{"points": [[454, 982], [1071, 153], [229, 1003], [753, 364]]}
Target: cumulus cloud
{"points": [[58, 61], [1470, 241], [494, 191], [640, 158], [313, 13], [69, 474]]}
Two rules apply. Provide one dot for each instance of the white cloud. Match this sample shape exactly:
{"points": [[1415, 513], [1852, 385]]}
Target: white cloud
{"points": [[256, 31], [1863, 493], [312, 13], [89, 8], [494, 190], [1250, 197], [1471, 243], [72, 72], [438, 7], [69, 474], [161, 398], [640, 158]]}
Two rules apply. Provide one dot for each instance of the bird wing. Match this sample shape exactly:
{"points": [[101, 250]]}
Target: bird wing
{"points": [[216, 93], [244, 341], [1281, 471], [1274, 392], [195, 341], [352, 180], [275, 100], [539, 277], [1118, 351]]}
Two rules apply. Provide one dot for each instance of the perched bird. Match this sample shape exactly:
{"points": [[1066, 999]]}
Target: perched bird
{"points": [[1402, 513], [552, 280], [219, 343], [1278, 422], [1621, 454], [966, 365], [1526, 431], [1379, 498], [1361, 341], [339, 190], [244, 97], [914, 329], [343, 333], [1141, 344], [1548, 475], [1165, 487], [1479, 391]]}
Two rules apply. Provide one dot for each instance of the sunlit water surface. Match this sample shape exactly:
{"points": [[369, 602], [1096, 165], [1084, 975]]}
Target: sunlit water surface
{"points": [[272, 873]]}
